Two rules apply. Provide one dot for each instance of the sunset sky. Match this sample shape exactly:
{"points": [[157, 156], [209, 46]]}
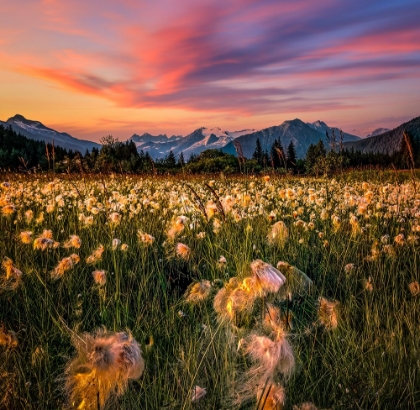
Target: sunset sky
{"points": [[93, 68]]}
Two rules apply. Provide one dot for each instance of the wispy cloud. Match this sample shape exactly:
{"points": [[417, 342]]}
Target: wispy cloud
{"points": [[238, 58]]}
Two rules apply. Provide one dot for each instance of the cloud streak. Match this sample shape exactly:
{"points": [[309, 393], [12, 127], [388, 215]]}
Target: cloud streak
{"points": [[238, 58]]}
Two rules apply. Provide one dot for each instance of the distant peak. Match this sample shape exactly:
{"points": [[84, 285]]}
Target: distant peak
{"points": [[295, 121], [17, 117]]}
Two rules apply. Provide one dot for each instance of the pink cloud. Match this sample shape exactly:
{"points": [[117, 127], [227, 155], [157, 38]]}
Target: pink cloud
{"points": [[241, 58]]}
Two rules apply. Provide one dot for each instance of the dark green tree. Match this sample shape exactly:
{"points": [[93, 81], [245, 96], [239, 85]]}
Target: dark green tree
{"points": [[314, 156], [170, 160], [181, 160], [277, 154], [291, 156], [258, 153]]}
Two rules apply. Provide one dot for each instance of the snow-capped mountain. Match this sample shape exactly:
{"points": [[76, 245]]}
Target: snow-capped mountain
{"points": [[37, 131], [159, 146], [192, 144], [301, 134]]}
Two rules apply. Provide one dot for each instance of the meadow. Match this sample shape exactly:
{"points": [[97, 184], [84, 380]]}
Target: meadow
{"points": [[130, 292]]}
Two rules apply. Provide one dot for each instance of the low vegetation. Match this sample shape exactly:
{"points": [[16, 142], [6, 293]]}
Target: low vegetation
{"points": [[266, 292]]}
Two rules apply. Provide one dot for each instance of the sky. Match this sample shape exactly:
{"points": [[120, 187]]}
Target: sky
{"points": [[93, 68]]}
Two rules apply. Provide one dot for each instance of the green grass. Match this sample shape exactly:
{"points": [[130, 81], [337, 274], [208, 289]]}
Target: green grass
{"points": [[370, 361]]}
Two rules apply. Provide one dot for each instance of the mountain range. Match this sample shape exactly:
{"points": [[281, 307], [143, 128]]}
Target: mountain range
{"points": [[158, 146], [300, 133], [192, 144], [389, 141], [39, 132]]}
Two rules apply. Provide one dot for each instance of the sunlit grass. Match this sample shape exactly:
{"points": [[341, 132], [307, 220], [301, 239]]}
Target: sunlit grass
{"points": [[352, 242]]}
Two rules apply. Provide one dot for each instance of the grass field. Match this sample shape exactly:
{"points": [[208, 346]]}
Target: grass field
{"points": [[171, 263]]}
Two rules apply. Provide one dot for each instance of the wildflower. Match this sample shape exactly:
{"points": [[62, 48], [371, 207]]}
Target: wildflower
{"points": [[278, 235], [327, 313], [270, 356], [8, 338], [115, 243], [271, 216], [198, 393], [8, 210], [269, 278], [385, 239], [145, 238], [88, 220], [99, 276], [124, 247], [217, 225], [266, 178], [75, 258], [399, 239], [374, 253], [355, 227], [105, 362], [73, 242], [221, 300], [349, 268], [296, 280], [40, 218], [389, 250], [271, 396], [221, 263], [29, 214], [272, 318], [26, 237], [13, 275], [198, 292], [177, 227], [211, 209], [369, 285], [183, 251], [43, 243], [115, 218], [96, 255], [47, 234], [336, 222], [63, 266], [414, 288], [200, 235]]}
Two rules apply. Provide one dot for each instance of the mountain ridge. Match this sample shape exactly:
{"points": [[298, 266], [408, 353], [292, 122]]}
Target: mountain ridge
{"points": [[387, 142], [302, 134], [36, 130]]}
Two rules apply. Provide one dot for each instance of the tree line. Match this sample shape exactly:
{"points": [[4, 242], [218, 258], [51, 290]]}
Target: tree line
{"points": [[18, 153]]}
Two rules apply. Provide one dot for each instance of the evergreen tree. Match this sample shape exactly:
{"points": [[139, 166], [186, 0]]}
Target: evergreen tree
{"points": [[291, 156], [258, 153], [314, 157], [277, 154], [265, 159], [170, 160], [181, 160]]}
